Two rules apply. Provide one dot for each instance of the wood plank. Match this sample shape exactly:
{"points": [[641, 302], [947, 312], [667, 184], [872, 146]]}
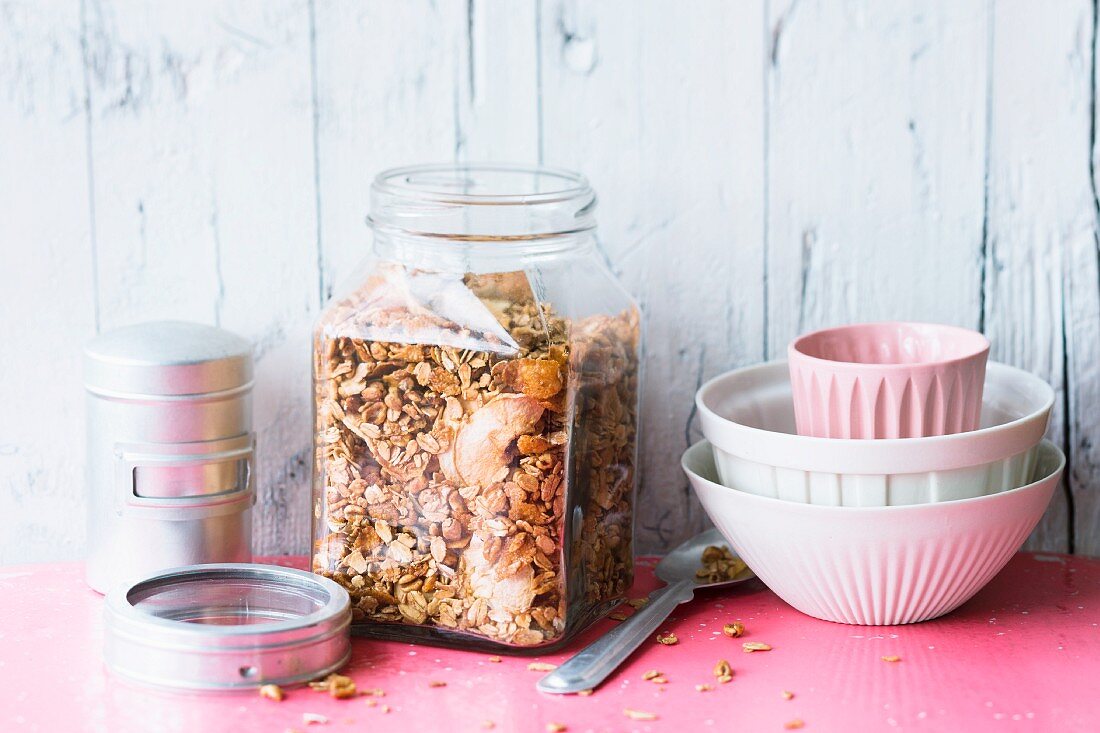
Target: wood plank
{"points": [[46, 281], [875, 164], [388, 94], [661, 105], [1041, 209], [1083, 346], [763, 169], [498, 93], [202, 146]]}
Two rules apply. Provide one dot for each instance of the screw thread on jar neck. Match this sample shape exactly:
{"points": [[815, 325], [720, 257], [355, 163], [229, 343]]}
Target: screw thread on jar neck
{"points": [[481, 212], [477, 255]]}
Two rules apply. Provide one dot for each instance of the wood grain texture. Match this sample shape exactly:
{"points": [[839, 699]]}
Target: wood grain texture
{"points": [[47, 296], [1082, 343], [677, 158], [763, 167], [875, 164], [497, 87], [1040, 207], [201, 152], [387, 93]]}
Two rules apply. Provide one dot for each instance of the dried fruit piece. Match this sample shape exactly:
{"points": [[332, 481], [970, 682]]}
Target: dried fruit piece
{"points": [[638, 714], [637, 602], [788, 695], [541, 667], [555, 727], [437, 683], [722, 669], [488, 724], [537, 378], [891, 658], [734, 630], [272, 692], [794, 724], [532, 445], [494, 659], [585, 693], [481, 453], [617, 616], [650, 674], [505, 590], [755, 646], [668, 639]]}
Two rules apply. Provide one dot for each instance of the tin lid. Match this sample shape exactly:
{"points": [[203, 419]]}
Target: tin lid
{"points": [[167, 358], [227, 627]]}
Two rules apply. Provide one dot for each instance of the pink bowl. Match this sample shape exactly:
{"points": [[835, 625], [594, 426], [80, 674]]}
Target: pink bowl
{"points": [[888, 380], [875, 565]]}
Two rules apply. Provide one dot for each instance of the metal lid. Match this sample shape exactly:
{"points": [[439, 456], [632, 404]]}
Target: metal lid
{"points": [[227, 627], [167, 358]]}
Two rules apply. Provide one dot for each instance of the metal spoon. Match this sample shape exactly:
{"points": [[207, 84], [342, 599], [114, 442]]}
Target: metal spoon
{"points": [[593, 664]]}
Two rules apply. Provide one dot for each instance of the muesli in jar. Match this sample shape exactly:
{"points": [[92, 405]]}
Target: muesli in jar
{"points": [[475, 456]]}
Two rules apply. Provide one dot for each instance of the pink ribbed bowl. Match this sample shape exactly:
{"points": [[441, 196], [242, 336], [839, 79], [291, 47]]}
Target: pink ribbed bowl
{"points": [[888, 380], [875, 565]]}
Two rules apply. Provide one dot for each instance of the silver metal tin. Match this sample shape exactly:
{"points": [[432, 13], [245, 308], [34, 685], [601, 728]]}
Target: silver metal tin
{"points": [[169, 450], [227, 627]]}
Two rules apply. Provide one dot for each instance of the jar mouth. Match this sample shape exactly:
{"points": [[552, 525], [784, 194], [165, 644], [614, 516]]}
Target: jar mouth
{"points": [[481, 202]]}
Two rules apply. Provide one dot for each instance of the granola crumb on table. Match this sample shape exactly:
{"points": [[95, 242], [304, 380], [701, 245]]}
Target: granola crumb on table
{"points": [[272, 692], [734, 630], [338, 686], [450, 457]]}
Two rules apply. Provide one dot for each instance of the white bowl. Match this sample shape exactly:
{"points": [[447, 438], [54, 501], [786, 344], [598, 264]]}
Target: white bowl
{"points": [[748, 417], [875, 565]]}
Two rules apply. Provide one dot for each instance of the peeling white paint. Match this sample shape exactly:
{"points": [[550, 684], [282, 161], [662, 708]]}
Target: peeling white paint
{"points": [[763, 168]]}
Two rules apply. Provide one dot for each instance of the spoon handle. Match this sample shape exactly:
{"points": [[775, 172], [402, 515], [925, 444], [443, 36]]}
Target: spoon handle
{"points": [[592, 665]]}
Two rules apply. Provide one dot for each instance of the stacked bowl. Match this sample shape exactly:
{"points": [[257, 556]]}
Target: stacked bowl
{"points": [[882, 476]]}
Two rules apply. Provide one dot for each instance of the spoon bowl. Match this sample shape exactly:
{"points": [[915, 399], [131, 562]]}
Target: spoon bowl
{"points": [[681, 563], [593, 664]]}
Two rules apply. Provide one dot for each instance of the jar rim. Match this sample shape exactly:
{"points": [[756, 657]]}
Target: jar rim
{"points": [[475, 201]]}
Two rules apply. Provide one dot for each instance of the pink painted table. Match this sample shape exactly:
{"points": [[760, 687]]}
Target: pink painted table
{"points": [[1024, 655]]}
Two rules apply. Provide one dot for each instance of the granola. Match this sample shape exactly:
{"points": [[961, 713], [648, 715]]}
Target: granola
{"points": [[734, 630], [457, 432], [718, 565]]}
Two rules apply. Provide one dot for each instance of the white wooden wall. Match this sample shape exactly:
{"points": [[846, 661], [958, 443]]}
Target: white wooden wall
{"points": [[764, 167]]}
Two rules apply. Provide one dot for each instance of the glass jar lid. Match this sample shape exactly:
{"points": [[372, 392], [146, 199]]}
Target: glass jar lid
{"points": [[227, 626], [481, 201]]}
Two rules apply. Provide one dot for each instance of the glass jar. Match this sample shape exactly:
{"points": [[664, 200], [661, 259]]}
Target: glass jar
{"points": [[476, 390]]}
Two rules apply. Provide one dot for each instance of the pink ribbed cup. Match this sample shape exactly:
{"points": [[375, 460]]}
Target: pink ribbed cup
{"points": [[888, 380]]}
